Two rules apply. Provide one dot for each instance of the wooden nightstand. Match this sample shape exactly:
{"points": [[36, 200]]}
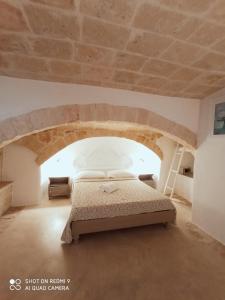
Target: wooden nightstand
{"points": [[59, 187], [148, 179]]}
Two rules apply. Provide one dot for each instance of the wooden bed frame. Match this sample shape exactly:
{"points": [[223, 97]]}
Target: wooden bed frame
{"points": [[105, 224]]}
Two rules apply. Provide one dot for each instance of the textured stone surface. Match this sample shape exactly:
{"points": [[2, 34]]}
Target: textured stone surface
{"points": [[96, 73], [111, 116], [193, 6], [212, 79], [52, 48], [13, 43], [207, 34], [55, 24], [58, 3], [181, 53], [104, 34], [47, 143], [175, 86], [188, 28], [158, 19], [110, 10], [148, 44], [11, 18], [211, 62], [217, 13], [186, 74], [201, 89], [93, 55], [220, 46], [26, 63], [151, 81], [3, 62], [159, 68], [67, 69], [176, 41], [126, 77], [129, 61]]}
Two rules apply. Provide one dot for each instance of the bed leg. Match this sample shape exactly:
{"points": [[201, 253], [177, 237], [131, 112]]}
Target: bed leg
{"points": [[76, 239], [166, 224]]}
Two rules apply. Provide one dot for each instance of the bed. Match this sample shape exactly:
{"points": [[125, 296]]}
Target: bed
{"points": [[132, 204]]}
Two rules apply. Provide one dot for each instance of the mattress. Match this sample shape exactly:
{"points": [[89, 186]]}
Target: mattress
{"points": [[132, 197]]}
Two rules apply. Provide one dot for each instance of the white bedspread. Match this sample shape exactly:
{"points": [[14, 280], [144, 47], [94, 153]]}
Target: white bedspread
{"points": [[132, 197]]}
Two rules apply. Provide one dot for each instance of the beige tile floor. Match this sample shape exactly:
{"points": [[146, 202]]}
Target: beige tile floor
{"points": [[177, 263]]}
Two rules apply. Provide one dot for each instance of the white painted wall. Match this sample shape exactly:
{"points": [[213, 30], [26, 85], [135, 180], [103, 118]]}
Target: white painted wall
{"points": [[184, 187], [23, 95], [19, 166], [209, 173], [187, 161]]}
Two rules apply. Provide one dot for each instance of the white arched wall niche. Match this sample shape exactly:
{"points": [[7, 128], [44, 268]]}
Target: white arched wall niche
{"points": [[20, 166], [101, 153]]}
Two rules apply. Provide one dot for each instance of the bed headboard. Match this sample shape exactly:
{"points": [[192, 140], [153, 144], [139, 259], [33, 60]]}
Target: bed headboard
{"points": [[103, 159]]}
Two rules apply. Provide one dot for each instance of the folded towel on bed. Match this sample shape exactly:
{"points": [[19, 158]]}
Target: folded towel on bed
{"points": [[108, 187]]}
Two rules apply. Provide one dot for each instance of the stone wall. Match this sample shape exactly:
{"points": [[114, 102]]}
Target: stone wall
{"points": [[48, 142], [36, 121]]}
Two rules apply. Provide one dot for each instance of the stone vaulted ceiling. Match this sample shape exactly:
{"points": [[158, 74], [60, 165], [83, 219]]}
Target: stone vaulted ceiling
{"points": [[165, 47]]}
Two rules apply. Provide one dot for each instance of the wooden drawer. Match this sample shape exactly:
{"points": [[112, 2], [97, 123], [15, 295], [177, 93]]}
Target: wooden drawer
{"points": [[59, 190]]}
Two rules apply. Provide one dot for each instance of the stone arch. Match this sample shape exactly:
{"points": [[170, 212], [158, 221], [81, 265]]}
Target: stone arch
{"points": [[38, 120], [47, 143]]}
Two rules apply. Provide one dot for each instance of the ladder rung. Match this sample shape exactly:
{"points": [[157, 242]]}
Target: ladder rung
{"points": [[179, 152], [174, 168], [169, 187]]}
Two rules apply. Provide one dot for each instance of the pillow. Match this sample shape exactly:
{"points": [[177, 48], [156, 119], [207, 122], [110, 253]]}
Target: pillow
{"points": [[120, 174], [90, 174]]}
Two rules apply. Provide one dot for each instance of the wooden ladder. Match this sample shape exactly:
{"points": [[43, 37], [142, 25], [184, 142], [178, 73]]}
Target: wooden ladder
{"points": [[174, 170]]}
